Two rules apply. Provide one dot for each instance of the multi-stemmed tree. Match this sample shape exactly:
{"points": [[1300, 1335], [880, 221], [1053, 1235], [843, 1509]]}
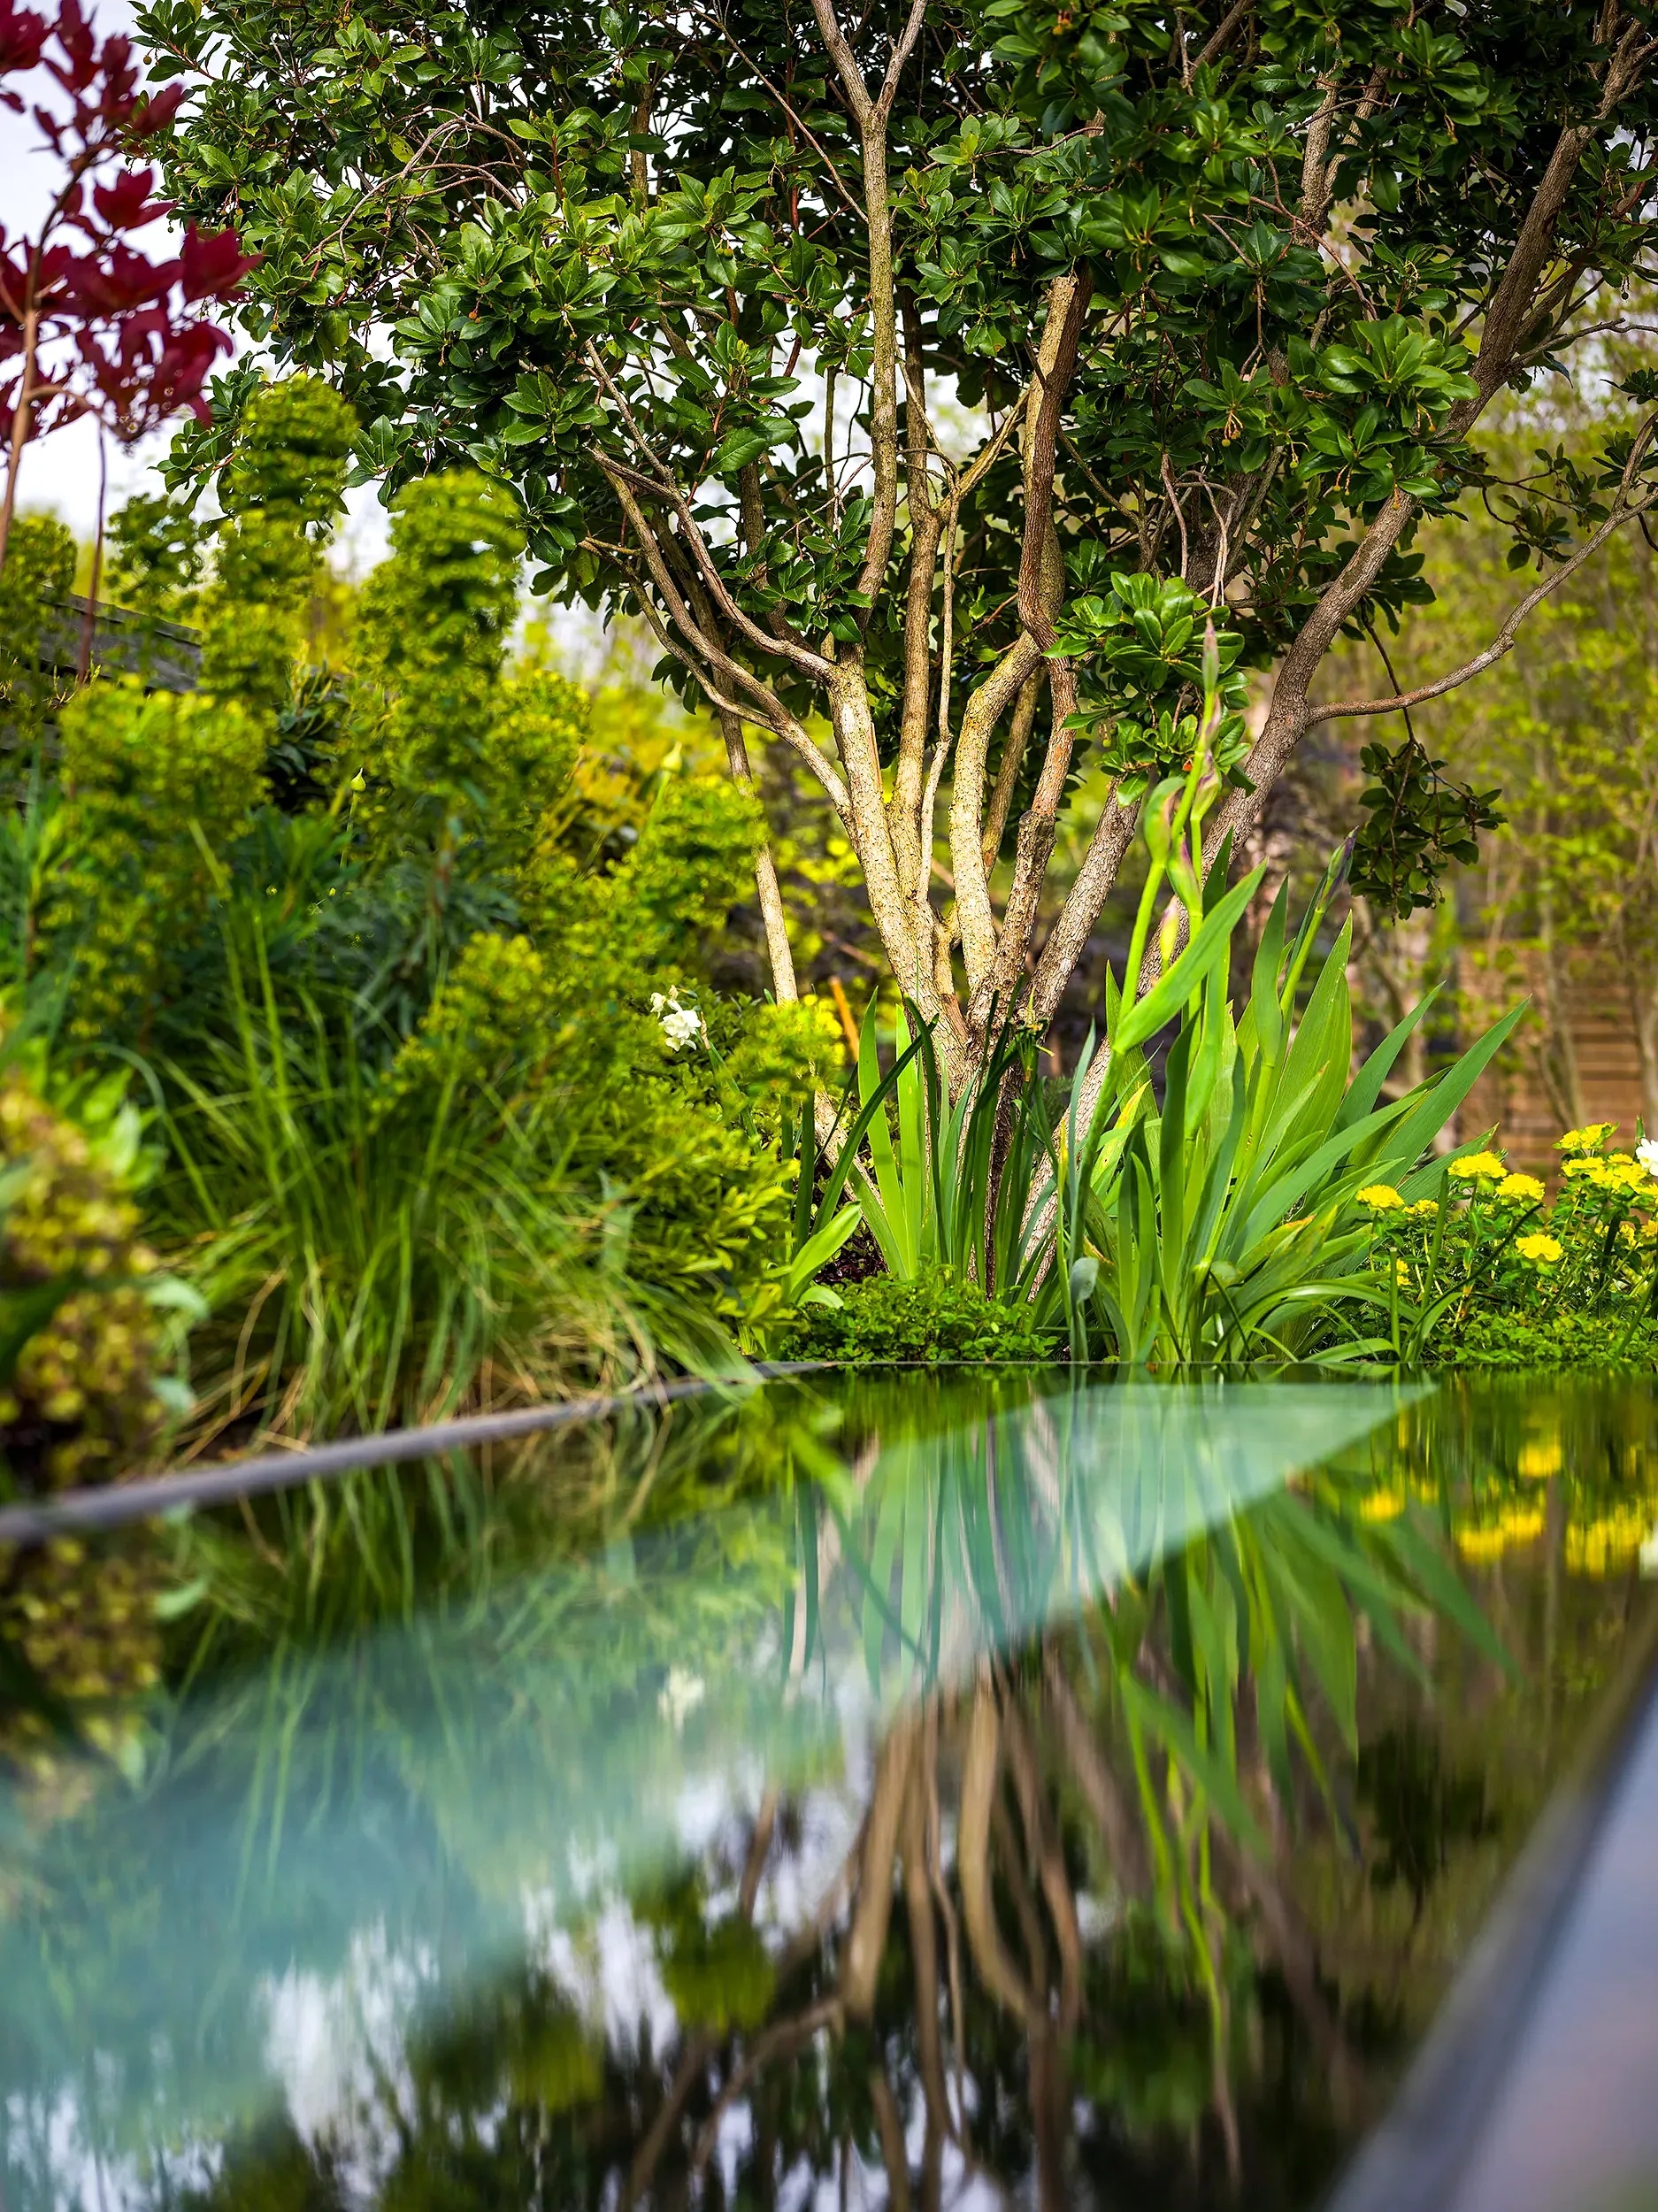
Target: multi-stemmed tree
{"points": [[929, 381]]}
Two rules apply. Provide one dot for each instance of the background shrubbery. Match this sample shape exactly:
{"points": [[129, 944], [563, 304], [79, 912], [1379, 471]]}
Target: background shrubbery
{"points": [[340, 919]]}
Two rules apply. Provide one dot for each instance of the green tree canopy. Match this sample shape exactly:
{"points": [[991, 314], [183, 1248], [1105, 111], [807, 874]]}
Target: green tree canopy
{"points": [[937, 377]]}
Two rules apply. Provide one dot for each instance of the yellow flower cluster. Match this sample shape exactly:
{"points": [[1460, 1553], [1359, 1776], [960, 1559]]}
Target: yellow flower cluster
{"points": [[1590, 1138], [1520, 1189], [1618, 1173], [1540, 1250], [1385, 1504], [1379, 1197], [1483, 1167]]}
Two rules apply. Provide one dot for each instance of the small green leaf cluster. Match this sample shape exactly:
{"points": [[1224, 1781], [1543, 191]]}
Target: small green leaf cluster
{"points": [[1418, 822], [39, 573], [1142, 641], [931, 1319], [157, 786]]}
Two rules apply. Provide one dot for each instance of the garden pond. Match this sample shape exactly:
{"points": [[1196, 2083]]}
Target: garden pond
{"points": [[910, 1788]]}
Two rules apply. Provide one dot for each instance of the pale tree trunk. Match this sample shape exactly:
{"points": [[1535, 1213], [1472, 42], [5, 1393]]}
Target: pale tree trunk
{"points": [[972, 971]]}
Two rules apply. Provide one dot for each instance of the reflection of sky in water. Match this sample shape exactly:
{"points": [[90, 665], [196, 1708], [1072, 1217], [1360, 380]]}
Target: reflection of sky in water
{"points": [[1081, 1490]]}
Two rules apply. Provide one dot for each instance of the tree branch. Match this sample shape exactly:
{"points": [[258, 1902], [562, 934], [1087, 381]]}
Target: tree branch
{"points": [[1504, 641]]}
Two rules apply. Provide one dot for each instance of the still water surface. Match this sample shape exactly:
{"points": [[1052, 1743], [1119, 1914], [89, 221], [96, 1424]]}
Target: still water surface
{"points": [[914, 1790]]}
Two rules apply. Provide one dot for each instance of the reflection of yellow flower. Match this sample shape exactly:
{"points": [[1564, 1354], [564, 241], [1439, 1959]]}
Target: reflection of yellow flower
{"points": [[1379, 1197], [1540, 1457], [1612, 1539], [1540, 1250], [1382, 1505], [1519, 1189], [1480, 1167], [1593, 1134], [1513, 1525]]}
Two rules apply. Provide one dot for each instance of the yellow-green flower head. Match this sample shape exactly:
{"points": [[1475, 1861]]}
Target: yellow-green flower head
{"points": [[1520, 1189], [1541, 1251], [1590, 1138], [1425, 1208], [1573, 1170], [1381, 1198], [1480, 1167]]}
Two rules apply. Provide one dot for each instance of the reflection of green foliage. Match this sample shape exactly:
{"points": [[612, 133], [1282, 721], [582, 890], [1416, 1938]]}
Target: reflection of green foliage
{"points": [[526, 2038], [422, 1698], [1421, 1811], [718, 1973]]}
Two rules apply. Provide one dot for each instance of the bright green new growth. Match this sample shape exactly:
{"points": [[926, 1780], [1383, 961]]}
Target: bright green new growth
{"points": [[281, 491], [153, 784]]}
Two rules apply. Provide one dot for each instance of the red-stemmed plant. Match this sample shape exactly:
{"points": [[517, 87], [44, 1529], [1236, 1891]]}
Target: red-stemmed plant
{"points": [[89, 324]]}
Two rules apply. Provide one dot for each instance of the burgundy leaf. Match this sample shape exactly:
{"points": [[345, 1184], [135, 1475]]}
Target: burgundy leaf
{"points": [[213, 266], [22, 38]]}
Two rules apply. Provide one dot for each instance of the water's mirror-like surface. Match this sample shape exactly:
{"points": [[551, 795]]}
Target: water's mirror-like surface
{"points": [[918, 1790]]}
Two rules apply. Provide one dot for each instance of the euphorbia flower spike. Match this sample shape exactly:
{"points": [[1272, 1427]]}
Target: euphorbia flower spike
{"points": [[105, 329]]}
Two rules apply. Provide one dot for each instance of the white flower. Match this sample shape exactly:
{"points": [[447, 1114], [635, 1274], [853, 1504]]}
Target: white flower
{"points": [[681, 1024], [1647, 1153], [681, 1694]]}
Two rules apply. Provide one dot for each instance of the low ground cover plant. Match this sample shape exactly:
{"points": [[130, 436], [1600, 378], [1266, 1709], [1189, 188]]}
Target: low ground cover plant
{"points": [[1488, 1269]]}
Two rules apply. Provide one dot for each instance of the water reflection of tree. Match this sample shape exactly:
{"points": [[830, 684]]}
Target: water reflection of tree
{"points": [[1080, 1867]]}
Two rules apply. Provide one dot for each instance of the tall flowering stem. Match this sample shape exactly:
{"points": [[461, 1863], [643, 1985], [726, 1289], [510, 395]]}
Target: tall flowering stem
{"points": [[89, 324]]}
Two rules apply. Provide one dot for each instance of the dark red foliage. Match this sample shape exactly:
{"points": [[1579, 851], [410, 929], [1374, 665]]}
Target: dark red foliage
{"points": [[92, 321]]}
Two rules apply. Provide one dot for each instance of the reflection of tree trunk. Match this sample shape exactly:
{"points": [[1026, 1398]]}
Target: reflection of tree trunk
{"points": [[1100, 1789], [888, 2126], [1043, 1845], [979, 1774], [923, 1950], [1050, 2114], [860, 1962]]}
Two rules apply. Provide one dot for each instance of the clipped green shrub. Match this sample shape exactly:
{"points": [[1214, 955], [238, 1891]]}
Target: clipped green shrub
{"points": [[929, 1318]]}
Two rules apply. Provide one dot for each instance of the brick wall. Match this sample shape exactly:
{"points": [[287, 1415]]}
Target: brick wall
{"points": [[1609, 1071]]}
